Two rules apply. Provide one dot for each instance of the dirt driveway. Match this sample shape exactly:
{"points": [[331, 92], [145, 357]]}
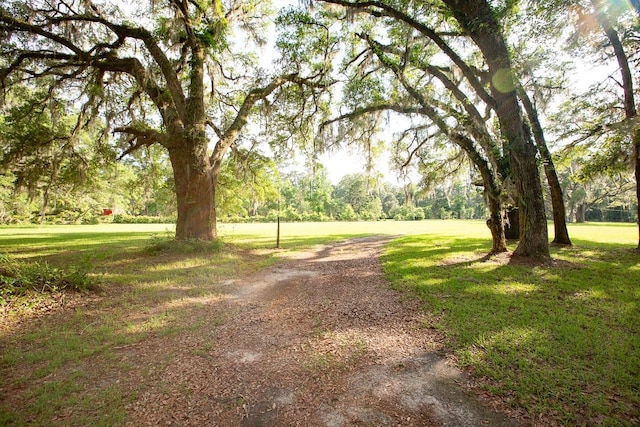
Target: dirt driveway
{"points": [[319, 340]]}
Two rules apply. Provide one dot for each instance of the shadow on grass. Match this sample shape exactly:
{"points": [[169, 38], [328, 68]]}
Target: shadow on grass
{"points": [[559, 341], [66, 246], [65, 365]]}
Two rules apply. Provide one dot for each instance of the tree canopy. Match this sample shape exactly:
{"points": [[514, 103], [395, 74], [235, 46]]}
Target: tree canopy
{"points": [[179, 74], [463, 84]]}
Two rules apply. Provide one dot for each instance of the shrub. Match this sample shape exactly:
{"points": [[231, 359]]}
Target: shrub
{"points": [[17, 278], [290, 214], [272, 216], [142, 219], [418, 214], [314, 217], [348, 214]]}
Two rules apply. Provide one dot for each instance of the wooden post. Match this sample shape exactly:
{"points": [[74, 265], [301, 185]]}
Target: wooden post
{"points": [[278, 217]]}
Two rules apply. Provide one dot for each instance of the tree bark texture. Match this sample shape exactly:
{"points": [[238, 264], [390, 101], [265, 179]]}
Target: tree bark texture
{"points": [[477, 19], [195, 196], [496, 226], [561, 234]]}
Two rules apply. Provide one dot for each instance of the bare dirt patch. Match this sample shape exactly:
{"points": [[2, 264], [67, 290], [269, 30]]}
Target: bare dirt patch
{"points": [[319, 340]]}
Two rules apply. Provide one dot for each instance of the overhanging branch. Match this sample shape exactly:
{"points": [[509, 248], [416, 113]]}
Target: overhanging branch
{"points": [[254, 96], [371, 109], [139, 137]]}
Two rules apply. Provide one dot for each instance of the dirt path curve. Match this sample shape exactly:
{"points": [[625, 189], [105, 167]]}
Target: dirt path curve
{"points": [[319, 340]]}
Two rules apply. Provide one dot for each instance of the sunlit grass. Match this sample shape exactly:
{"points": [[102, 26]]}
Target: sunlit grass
{"points": [[560, 341]]}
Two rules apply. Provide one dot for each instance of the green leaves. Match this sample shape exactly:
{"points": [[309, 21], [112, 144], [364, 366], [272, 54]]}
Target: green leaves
{"points": [[307, 40], [362, 92]]}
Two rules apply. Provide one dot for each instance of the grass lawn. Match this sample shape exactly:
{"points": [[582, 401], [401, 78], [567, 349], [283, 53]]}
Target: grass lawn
{"points": [[559, 341]]}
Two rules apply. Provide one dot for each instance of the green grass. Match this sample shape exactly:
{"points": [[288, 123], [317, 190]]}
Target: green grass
{"points": [[559, 341]]}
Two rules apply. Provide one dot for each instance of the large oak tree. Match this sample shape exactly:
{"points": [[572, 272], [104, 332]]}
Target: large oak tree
{"points": [[178, 73], [492, 82]]}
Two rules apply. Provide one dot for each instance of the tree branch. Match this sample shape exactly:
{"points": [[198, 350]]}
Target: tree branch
{"points": [[122, 32], [391, 12], [140, 137], [254, 96], [371, 109]]}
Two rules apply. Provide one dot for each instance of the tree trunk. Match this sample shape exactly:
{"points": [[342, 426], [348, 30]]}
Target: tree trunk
{"points": [[55, 167], [478, 20], [45, 203], [496, 225], [561, 234], [489, 181], [195, 194], [534, 236], [572, 213], [581, 212]]}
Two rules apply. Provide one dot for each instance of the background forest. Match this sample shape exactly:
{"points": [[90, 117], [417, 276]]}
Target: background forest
{"points": [[46, 187]]}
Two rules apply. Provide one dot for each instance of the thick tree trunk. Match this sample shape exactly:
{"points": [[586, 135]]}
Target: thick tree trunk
{"points": [[561, 234], [477, 19], [533, 221], [534, 240], [534, 236], [195, 194]]}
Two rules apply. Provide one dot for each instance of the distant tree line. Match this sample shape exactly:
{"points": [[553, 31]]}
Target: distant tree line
{"points": [[140, 190]]}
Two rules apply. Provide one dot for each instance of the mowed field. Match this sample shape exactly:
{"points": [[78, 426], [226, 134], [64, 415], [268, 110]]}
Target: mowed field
{"points": [[264, 234], [558, 341]]}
